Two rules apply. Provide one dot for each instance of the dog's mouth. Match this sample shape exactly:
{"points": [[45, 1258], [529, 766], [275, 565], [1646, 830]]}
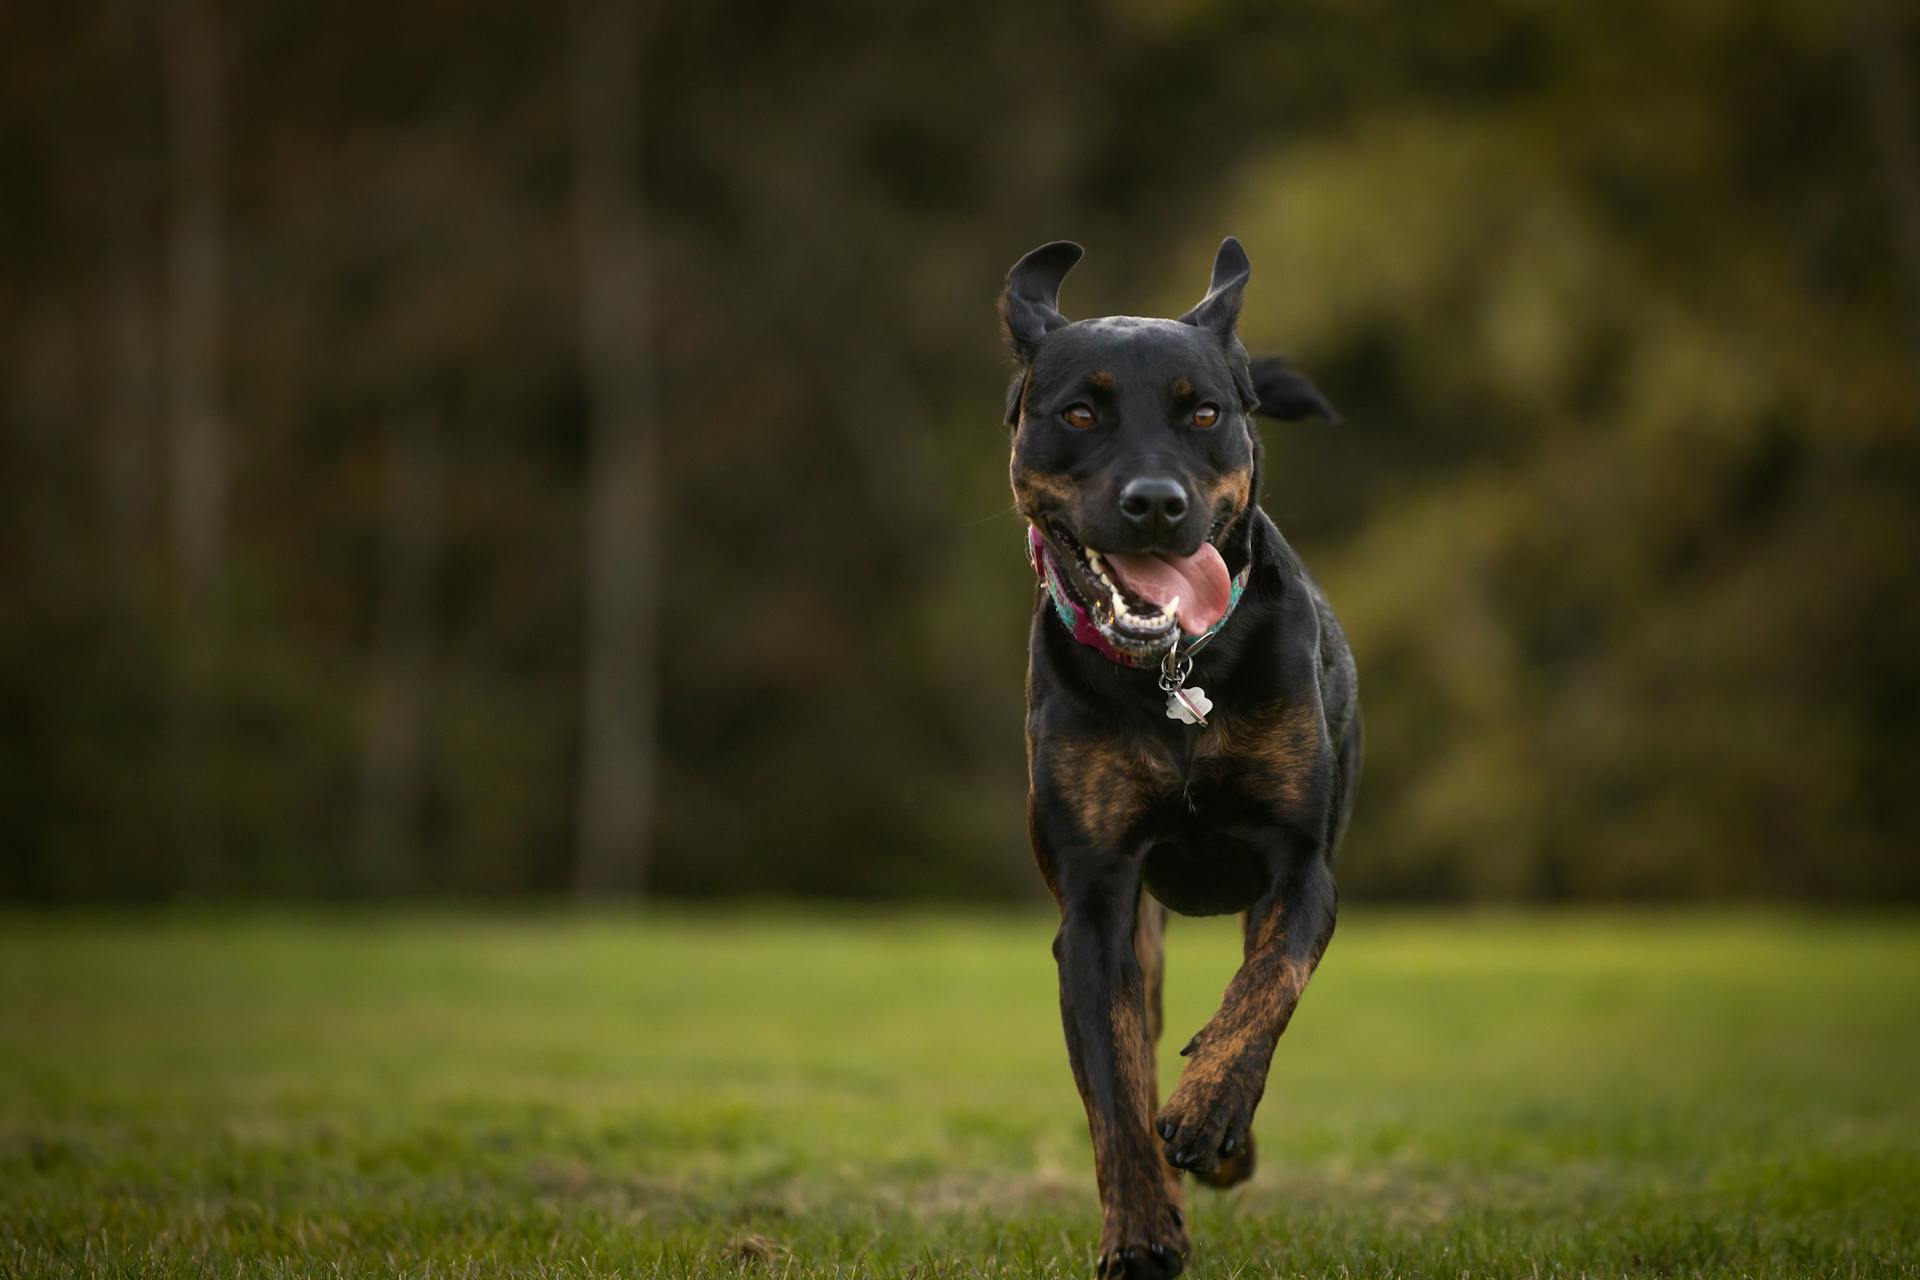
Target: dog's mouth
{"points": [[1139, 600]]}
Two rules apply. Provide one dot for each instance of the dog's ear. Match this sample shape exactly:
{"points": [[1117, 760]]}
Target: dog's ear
{"points": [[1286, 393], [1219, 311], [1029, 309]]}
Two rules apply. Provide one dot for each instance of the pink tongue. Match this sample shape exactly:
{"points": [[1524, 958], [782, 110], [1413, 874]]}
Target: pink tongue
{"points": [[1200, 580]]}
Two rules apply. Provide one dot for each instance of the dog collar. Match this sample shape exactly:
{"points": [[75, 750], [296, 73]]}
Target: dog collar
{"points": [[1073, 615]]}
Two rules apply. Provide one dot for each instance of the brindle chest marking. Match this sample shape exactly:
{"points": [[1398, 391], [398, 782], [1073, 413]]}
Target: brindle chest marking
{"points": [[1268, 753], [1265, 754]]}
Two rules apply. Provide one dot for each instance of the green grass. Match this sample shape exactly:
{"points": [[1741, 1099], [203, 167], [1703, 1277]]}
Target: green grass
{"points": [[276, 1094]]}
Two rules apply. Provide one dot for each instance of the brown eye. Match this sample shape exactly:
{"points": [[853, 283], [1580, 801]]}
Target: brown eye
{"points": [[1078, 416], [1206, 415]]}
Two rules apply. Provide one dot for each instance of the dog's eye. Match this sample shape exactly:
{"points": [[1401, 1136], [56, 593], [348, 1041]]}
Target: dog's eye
{"points": [[1206, 415], [1078, 416]]}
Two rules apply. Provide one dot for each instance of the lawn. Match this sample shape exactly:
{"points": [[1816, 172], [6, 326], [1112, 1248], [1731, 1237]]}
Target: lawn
{"points": [[771, 1092]]}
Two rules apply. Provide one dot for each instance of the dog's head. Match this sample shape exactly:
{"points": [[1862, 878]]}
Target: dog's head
{"points": [[1134, 453]]}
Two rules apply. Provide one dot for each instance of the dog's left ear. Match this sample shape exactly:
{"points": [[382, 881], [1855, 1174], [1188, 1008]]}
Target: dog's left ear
{"points": [[1219, 311], [1286, 393]]}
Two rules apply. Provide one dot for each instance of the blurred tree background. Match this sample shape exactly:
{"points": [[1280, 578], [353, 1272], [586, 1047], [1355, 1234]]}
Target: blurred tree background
{"points": [[413, 413]]}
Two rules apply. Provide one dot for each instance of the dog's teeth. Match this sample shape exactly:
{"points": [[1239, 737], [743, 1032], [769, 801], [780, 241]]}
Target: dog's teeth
{"points": [[1171, 607]]}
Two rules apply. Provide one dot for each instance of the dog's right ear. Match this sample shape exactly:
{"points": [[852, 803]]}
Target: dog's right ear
{"points": [[1029, 309]]}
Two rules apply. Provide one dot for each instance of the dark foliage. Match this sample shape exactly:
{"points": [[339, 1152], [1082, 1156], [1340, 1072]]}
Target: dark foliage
{"points": [[1621, 308]]}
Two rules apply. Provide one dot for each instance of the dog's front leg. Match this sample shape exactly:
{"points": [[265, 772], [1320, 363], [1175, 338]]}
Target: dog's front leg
{"points": [[1104, 1007], [1207, 1123]]}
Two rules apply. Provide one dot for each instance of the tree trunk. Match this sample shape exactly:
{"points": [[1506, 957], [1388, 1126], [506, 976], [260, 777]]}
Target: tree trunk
{"points": [[1890, 100], [130, 420], [616, 799], [197, 468], [388, 850], [128, 430]]}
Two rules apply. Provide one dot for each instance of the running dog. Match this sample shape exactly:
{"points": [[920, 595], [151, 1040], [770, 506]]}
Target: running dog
{"points": [[1193, 721]]}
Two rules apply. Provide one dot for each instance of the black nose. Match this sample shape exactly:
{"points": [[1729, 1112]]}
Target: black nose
{"points": [[1155, 502]]}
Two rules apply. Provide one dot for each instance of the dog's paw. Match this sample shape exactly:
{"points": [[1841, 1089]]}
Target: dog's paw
{"points": [[1234, 1169], [1207, 1125], [1150, 1246]]}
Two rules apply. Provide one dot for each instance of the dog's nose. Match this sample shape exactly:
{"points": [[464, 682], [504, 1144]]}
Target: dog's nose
{"points": [[1154, 502]]}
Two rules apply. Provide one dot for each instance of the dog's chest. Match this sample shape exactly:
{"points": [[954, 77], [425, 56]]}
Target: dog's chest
{"points": [[1211, 835], [1265, 754]]}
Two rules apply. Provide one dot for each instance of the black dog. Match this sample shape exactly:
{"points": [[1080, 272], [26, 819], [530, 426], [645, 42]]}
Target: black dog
{"points": [[1193, 725]]}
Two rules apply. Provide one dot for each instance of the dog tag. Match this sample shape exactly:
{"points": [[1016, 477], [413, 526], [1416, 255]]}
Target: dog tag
{"points": [[1189, 706]]}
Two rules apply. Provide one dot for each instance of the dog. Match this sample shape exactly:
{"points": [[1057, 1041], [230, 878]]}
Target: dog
{"points": [[1193, 723]]}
